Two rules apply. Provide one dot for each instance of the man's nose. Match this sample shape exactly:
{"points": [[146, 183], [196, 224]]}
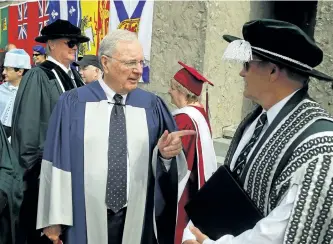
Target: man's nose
{"points": [[138, 68]]}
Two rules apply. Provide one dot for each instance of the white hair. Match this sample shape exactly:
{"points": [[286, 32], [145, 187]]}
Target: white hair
{"points": [[109, 42], [47, 49], [190, 96]]}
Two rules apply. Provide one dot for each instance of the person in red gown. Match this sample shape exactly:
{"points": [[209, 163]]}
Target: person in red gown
{"points": [[185, 90]]}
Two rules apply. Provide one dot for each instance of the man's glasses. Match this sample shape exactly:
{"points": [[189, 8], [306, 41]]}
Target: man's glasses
{"points": [[36, 54], [72, 43], [246, 65], [132, 64]]}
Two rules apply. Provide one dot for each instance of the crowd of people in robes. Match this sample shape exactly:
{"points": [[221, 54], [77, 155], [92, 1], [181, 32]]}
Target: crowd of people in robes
{"points": [[88, 157]]}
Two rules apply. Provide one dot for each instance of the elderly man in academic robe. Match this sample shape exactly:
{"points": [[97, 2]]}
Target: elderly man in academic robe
{"points": [[39, 90], [282, 153], [112, 158]]}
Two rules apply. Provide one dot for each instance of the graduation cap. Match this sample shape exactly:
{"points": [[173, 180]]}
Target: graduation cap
{"points": [[17, 58], [61, 29], [279, 42], [191, 79]]}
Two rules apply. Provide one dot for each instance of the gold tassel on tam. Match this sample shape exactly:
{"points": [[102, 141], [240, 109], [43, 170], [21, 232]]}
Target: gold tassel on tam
{"points": [[207, 103]]}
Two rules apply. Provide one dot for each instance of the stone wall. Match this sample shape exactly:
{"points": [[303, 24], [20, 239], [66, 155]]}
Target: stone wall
{"points": [[320, 90], [226, 98], [227, 104], [192, 31], [179, 32]]}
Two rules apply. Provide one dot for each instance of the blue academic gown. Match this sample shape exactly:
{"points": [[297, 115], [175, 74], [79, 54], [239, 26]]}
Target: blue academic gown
{"points": [[76, 146]]}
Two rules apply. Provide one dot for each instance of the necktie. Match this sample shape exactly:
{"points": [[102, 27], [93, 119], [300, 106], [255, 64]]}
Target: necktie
{"points": [[70, 74], [241, 160], [116, 188]]}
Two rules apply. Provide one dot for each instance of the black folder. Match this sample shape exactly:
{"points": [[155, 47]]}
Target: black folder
{"points": [[222, 207]]}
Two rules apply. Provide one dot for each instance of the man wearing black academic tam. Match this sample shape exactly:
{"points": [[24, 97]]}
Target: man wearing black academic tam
{"points": [[38, 93], [282, 152]]}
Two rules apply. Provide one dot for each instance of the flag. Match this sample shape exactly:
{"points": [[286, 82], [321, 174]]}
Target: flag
{"points": [[23, 24], [3, 27], [66, 10], [43, 14], [89, 12], [135, 16], [22, 21], [94, 24], [103, 20]]}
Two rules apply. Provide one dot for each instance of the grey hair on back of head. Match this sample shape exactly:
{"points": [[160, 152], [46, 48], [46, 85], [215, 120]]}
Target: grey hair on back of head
{"points": [[109, 42]]}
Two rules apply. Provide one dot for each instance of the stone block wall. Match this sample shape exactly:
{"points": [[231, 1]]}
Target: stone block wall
{"points": [[320, 90]]}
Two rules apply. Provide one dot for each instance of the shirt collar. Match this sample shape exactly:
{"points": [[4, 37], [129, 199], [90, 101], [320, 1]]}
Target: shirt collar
{"points": [[273, 111], [59, 64], [109, 92], [10, 86]]}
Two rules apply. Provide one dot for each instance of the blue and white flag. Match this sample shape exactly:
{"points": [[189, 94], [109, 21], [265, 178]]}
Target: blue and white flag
{"points": [[66, 10]]}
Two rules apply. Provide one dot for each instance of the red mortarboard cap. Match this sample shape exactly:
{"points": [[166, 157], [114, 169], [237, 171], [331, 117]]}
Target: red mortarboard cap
{"points": [[191, 79]]}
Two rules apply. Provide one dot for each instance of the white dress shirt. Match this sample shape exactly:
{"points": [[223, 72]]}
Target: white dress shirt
{"points": [[110, 94], [7, 98], [271, 229], [63, 67], [67, 70]]}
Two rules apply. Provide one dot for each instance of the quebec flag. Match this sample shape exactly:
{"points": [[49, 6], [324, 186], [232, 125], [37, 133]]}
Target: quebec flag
{"points": [[67, 10]]}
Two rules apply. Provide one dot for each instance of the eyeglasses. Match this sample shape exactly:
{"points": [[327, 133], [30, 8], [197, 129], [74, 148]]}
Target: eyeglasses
{"points": [[246, 65], [72, 43], [36, 54], [132, 64]]}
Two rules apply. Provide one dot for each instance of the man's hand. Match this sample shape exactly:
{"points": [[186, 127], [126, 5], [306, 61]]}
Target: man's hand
{"points": [[198, 235], [53, 232], [170, 144]]}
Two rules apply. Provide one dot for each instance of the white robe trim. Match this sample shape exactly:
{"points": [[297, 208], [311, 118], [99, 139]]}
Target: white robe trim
{"points": [[58, 80], [207, 146], [54, 205], [96, 165]]}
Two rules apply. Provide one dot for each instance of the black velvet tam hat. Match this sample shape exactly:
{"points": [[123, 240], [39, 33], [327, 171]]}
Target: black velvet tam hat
{"points": [[279, 42], [61, 29]]}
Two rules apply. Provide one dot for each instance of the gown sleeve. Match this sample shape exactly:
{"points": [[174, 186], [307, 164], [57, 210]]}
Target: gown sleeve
{"points": [[11, 189], [55, 191], [166, 183], [27, 139]]}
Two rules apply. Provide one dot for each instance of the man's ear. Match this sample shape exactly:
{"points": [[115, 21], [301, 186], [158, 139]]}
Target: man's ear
{"points": [[104, 62], [275, 72], [21, 71], [51, 44]]}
